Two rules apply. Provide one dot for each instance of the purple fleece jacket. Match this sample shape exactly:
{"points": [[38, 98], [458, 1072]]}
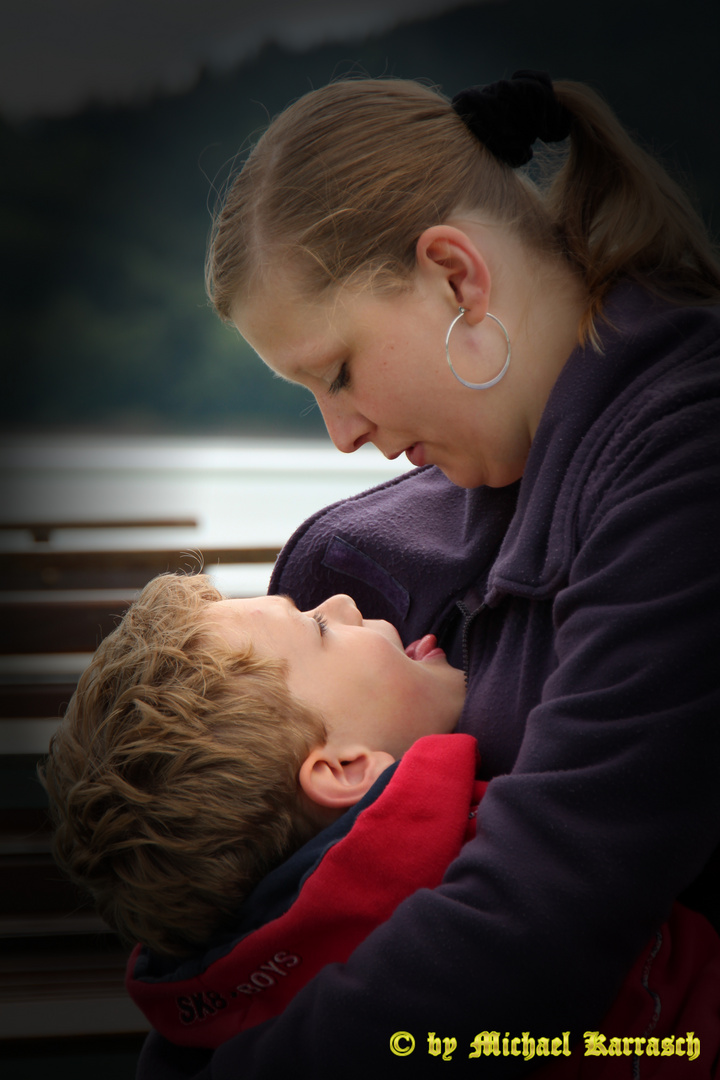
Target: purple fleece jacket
{"points": [[583, 603]]}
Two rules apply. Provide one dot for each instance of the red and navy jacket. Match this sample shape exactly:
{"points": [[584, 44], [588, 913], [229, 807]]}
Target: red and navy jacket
{"points": [[318, 906]]}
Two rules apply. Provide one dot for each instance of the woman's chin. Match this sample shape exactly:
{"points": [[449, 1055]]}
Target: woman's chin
{"points": [[474, 474]]}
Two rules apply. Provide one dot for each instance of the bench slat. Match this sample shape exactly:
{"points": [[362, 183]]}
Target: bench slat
{"points": [[113, 569], [42, 530], [34, 700], [46, 626]]}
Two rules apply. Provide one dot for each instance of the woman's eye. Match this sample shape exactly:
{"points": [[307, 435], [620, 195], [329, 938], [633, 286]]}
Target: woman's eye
{"points": [[341, 382], [321, 622]]}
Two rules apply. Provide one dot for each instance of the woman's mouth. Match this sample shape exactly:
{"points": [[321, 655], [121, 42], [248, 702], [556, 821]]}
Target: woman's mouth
{"points": [[424, 648]]}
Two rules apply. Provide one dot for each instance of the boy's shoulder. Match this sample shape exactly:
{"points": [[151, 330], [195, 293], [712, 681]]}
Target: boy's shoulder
{"points": [[323, 901]]}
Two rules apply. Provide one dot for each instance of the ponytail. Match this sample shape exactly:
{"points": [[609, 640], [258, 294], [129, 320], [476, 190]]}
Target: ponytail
{"points": [[621, 216]]}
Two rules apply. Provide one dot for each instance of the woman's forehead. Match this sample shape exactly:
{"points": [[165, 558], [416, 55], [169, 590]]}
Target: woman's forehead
{"points": [[289, 332]]}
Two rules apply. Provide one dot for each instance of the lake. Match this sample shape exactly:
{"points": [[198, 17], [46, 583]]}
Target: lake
{"points": [[242, 492]]}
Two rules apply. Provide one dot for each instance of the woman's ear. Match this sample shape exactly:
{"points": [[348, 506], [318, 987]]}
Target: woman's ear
{"points": [[339, 778], [448, 259]]}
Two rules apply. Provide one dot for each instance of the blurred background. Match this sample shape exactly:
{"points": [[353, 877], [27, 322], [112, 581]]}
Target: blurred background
{"points": [[123, 396]]}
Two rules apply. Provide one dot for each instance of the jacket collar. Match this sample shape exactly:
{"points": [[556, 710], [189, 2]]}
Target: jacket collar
{"points": [[593, 393]]}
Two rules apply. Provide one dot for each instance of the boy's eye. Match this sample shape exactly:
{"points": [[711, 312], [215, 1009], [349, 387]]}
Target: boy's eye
{"points": [[342, 380], [321, 622]]}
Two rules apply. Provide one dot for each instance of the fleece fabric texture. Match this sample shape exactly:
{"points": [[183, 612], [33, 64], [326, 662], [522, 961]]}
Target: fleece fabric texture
{"points": [[583, 603]]}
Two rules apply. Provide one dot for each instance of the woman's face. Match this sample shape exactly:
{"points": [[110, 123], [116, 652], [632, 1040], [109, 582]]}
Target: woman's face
{"points": [[353, 671], [376, 366]]}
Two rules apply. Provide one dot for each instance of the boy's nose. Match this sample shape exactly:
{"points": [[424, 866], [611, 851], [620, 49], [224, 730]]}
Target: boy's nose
{"points": [[342, 608]]}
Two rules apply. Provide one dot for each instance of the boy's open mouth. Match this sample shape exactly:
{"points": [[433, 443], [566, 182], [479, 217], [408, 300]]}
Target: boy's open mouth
{"points": [[424, 648]]}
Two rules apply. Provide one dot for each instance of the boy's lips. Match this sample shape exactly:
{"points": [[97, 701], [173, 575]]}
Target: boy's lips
{"points": [[424, 648], [416, 455]]}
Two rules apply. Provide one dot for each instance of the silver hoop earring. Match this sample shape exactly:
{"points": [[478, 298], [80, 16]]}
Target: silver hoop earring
{"points": [[506, 365]]}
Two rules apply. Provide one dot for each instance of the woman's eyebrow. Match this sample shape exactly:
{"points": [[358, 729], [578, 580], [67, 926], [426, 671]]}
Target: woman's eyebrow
{"points": [[315, 363]]}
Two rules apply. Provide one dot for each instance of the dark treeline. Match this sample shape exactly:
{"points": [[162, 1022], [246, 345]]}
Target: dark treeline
{"points": [[104, 216]]}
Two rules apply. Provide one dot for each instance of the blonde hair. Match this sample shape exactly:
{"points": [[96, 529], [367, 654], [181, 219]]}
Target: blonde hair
{"points": [[344, 182], [172, 778]]}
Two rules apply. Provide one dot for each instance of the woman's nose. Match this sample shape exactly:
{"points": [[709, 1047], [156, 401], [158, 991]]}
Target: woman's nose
{"points": [[348, 429]]}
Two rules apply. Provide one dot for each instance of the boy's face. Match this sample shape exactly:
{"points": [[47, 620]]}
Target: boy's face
{"points": [[353, 671]]}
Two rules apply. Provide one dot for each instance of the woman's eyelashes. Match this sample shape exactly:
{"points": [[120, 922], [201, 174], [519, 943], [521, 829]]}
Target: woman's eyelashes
{"points": [[321, 621], [341, 381]]}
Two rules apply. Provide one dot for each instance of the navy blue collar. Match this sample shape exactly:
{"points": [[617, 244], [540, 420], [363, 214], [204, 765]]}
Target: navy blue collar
{"points": [[275, 895]]}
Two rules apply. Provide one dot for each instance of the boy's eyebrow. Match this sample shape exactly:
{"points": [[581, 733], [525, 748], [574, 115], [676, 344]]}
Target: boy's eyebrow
{"points": [[291, 602]]}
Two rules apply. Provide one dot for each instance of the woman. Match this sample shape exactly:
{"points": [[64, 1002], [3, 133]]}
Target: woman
{"points": [[548, 357]]}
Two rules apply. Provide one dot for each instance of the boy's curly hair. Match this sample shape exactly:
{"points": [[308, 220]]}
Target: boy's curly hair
{"points": [[172, 778]]}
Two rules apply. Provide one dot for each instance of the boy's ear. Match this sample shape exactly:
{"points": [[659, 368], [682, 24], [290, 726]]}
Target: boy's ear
{"points": [[450, 258], [340, 778]]}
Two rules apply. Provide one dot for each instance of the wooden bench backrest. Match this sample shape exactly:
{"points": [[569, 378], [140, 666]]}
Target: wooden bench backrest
{"points": [[53, 943]]}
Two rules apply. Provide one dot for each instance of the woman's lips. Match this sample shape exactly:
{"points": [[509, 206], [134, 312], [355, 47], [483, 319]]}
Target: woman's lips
{"points": [[416, 454], [424, 648]]}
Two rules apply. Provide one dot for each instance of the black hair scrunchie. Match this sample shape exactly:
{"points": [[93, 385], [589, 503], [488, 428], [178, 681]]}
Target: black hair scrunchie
{"points": [[508, 116]]}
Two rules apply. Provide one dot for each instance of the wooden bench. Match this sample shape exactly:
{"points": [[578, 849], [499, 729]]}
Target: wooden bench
{"points": [[61, 968], [112, 569]]}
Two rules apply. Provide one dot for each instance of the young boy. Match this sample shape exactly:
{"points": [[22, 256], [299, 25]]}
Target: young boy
{"points": [[247, 790], [209, 739]]}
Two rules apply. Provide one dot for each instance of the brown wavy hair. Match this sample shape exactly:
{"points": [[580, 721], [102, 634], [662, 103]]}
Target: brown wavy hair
{"points": [[344, 182], [172, 778]]}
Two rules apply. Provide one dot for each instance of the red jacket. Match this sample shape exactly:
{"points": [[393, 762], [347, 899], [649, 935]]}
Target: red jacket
{"points": [[316, 908]]}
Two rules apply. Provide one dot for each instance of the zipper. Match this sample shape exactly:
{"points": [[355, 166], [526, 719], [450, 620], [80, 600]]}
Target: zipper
{"points": [[469, 617]]}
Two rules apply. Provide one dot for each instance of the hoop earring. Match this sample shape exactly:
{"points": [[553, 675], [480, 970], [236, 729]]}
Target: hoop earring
{"points": [[506, 365]]}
